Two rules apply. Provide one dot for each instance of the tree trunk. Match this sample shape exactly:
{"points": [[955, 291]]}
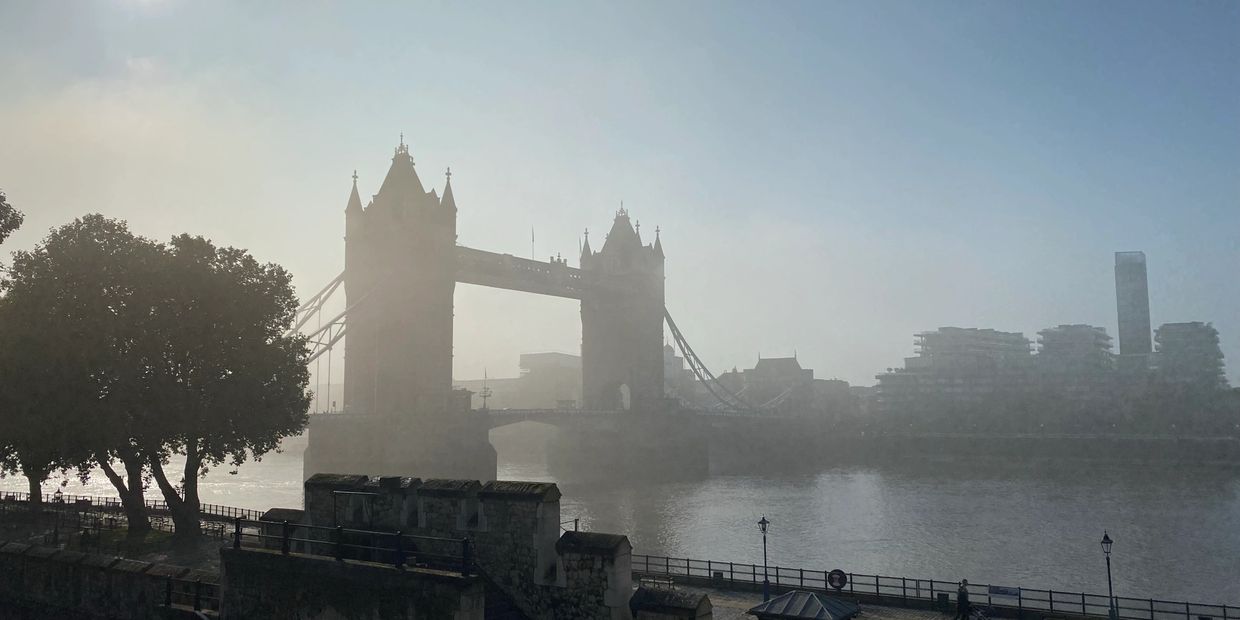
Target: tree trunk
{"points": [[133, 500], [184, 510], [36, 488]]}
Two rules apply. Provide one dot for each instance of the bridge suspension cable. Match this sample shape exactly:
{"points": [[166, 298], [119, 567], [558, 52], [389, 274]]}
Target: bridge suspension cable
{"points": [[325, 334], [313, 306], [727, 399]]}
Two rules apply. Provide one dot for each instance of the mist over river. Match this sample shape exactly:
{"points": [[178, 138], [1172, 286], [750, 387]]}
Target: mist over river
{"points": [[1176, 529]]}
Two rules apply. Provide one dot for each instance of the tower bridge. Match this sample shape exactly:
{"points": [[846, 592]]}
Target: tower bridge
{"points": [[402, 264]]}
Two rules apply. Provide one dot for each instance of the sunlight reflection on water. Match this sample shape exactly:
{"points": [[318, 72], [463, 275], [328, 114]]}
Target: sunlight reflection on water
{"points": [[1177, 534]]}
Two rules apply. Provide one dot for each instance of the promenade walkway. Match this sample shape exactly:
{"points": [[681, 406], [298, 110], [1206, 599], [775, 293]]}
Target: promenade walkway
{"points": [[732, 605]]}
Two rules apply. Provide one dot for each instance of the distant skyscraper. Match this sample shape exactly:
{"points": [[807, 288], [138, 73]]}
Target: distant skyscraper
{"points": [[1132, 298]]}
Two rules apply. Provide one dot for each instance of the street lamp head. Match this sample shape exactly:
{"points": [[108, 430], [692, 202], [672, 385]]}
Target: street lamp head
{"points": [[1106, 543], [763, 524]]}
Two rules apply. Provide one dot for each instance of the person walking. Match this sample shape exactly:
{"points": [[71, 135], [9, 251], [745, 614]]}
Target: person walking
{"points": [[962, 601]]}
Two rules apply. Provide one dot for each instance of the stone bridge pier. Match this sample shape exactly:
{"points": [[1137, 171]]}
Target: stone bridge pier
{"points": [[644, 445]]}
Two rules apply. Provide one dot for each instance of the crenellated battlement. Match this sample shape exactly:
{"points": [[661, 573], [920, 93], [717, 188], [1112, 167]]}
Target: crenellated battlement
{"points": [[513, 528]]}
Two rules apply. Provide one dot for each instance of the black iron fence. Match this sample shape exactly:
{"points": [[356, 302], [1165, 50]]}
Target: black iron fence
{"points": [[928, 591], [455, 554], [197, 594], [395, 548], [209, 511]]}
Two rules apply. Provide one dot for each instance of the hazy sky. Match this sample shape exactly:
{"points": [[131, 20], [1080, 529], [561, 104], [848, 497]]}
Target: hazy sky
{"points": [[829, 177]]}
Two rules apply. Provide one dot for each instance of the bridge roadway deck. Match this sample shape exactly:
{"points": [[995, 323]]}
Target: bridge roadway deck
{"points": [[504, 417], [519, 274]]}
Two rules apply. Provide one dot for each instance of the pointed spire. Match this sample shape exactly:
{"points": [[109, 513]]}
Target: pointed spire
{"points": [[402, 182], [622, 238], [448, 199], [355, 201], [585, 247], [637, 228], [658, 243]]}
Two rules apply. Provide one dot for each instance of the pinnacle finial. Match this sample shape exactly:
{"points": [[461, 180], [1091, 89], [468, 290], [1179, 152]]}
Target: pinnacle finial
{"points": [[449, 174], [587, 234], [355, 177], [656, 231], [638, 226], [402, 138]]}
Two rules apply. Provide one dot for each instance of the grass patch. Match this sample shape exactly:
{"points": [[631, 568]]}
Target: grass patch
{"points": [[119, 542]]}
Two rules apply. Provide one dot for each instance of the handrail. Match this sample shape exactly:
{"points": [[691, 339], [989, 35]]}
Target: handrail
{"points": [[906, 589], [209, 511], [195, 594], [394, 547]]}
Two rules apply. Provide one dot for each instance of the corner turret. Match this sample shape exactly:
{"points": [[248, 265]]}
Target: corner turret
{"points": [[586, 252], [355, 201], [448, 199]]}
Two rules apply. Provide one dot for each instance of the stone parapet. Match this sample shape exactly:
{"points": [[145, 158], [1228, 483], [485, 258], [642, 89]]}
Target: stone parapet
{"points": [[44, 582], [267, 584], [513, 529]]}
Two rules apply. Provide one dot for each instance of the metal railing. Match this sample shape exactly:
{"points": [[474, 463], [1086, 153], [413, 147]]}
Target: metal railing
{"points": [[395, 548], [909, 590], [208, 511], [195, 594]]}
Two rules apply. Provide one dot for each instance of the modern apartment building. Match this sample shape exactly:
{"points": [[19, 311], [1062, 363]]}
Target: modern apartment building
{"points": [[1189, 353]]}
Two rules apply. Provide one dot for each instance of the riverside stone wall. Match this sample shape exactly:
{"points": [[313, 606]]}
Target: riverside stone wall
{"points": [[261, 583], [42, 582], [513, 530]]}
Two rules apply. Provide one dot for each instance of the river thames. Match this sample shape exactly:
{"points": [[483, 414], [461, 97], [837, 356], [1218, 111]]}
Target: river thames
{"points": [[1176, 530]]}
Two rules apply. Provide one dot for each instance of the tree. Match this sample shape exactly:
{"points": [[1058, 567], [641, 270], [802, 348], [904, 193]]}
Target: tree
{"points": [[80, 306], [10, 218], [31, 377], [128, 350], [226, 381]]}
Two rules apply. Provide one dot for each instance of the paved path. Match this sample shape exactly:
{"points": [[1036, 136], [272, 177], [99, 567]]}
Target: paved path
{"points": [[733, 605]]}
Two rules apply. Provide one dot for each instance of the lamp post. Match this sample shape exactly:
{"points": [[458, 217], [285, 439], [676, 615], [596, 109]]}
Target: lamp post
{"points": [[763, 525], [485, 393], [1106, 549], [58, 499]]}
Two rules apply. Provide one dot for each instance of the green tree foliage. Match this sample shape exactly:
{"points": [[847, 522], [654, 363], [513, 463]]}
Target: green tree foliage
{"points": [[10, 218], [31, 380], [133, 351], [79, 305], [225, 381]]}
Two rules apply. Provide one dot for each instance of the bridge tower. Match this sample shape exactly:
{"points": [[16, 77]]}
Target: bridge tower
{"points": [[400, 277], [403, 417], [622, 321]]}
